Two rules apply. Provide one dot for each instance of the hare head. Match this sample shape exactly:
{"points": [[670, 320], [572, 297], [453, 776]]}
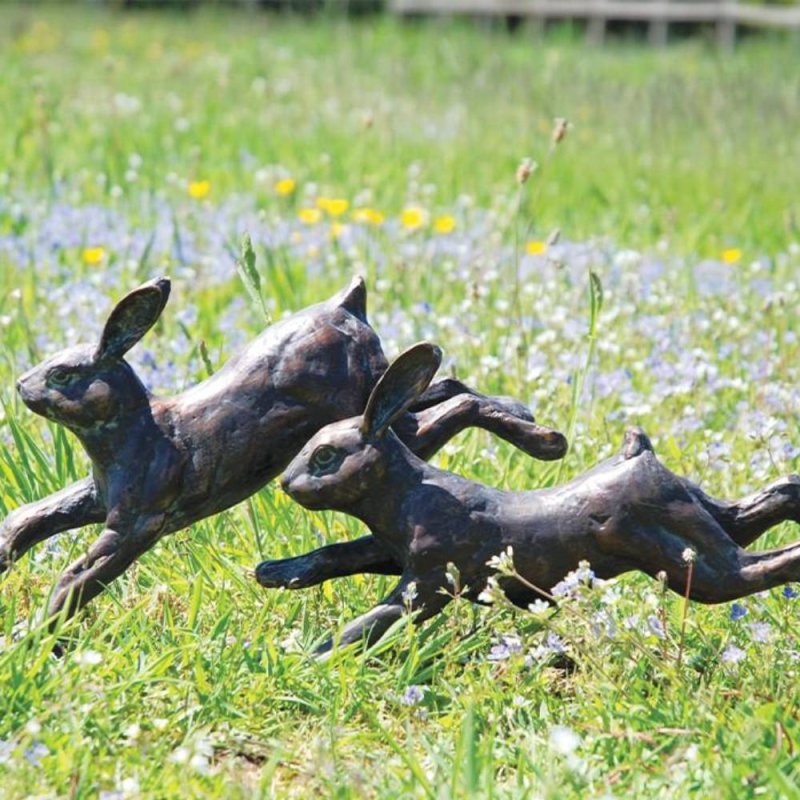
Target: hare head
{"points": [[347, 460], [86, 386]]}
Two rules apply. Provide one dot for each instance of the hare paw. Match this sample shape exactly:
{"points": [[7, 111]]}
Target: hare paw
{"points": [[288, 573]]}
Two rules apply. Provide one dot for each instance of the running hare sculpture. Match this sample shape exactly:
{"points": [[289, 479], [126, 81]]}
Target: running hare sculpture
{"points": [[160, 464], [628, 513]]}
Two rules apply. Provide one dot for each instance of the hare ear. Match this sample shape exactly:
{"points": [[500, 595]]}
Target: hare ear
{"points": [[132, 317], [401, 385]]}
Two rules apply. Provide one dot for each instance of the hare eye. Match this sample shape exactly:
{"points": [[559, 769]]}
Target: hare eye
{"points": [[60, 377], [324, 458]]}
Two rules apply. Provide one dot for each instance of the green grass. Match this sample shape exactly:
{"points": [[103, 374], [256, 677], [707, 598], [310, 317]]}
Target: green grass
{"points": [[189, 680]]}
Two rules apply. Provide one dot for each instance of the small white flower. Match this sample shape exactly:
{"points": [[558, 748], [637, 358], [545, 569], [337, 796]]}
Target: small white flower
{"points": [[180, 755], [563, 740], [133, 731], [503, 562], [490, 593], [689, 556], [410, 593], [539, 607]]}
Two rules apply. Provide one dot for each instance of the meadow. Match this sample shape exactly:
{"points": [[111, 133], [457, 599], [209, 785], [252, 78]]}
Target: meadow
{"points": [[139, 145]]}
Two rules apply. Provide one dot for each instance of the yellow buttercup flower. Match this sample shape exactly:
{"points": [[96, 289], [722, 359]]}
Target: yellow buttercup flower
{"points": [[310, 216], [413, 217], [536, 248], [731, 255], [368, 216], [285, 187], [444, 224], [93, 255], [335, 206], [199, 189]]}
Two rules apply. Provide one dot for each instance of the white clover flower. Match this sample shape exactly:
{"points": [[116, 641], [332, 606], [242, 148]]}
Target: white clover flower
{"points": [[689, 556]]}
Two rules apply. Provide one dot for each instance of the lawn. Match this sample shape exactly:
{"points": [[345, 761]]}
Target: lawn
{"points": [[146, 144]]}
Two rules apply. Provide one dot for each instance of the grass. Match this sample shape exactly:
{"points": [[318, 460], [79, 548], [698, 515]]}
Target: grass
{"points": [[676, 186]]}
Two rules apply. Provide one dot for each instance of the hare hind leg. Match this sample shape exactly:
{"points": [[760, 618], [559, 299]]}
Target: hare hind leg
{"points": [[427, 430], [721, 570], [107, 558], [409, 596], [746, 519]]}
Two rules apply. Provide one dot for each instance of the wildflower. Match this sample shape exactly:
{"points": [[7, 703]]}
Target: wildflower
{"points": [[560, 128], [525, 170], [511, 645], [656, 627], [539, 607], [554, 643], [7, 748], [452, 574], [444, 224], [503, 562], [35, 753], [335, 206], [689, 556], [536, 248], [368, 216], [732, 654], [338, 229], [789, 593], [490, 593], [93, 255], [731, 255], [413, 217], [603, 625], [285, 187], [738, 610], [413, 695], [572, 582], [199, 189], [309, 216], [410, 593], [563, 740], [760, 632], [88, 658]]}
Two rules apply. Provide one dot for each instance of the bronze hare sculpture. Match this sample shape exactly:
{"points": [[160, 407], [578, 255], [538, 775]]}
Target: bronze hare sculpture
{"points": [[627, 513], [160, 464]]}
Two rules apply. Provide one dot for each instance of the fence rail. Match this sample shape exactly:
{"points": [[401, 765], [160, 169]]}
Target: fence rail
{"points": [[725, 14]]}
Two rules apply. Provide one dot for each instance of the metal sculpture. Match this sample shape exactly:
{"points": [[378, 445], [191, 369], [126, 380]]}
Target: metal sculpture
{"points": [[159, 465], [627, 513]]}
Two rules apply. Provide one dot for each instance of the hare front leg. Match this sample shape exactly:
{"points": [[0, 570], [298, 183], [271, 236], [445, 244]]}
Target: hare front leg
{"points": [[74, 507], [746, 519], [338, 560], [107, 558], [427, 430], [411, 595]]}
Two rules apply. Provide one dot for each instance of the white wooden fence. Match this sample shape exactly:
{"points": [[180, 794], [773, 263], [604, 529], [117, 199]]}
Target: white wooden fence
{"points": [[726, 15]]}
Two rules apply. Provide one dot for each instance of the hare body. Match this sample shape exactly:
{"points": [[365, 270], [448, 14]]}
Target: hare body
{"points": [[160, 464], [627, 513]]}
